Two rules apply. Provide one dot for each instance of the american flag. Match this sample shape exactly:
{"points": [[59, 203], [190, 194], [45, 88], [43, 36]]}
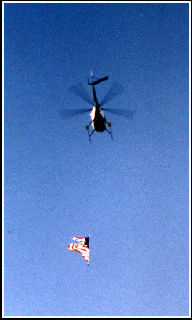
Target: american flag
{"points": [[82, 247]]}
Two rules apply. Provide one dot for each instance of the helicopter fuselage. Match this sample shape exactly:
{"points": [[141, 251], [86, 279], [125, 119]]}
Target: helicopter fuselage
{"points": [[98, 119], [97, 115]]}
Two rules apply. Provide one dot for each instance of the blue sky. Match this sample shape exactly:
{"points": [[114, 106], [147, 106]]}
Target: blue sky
{"points": [[131, 195]]}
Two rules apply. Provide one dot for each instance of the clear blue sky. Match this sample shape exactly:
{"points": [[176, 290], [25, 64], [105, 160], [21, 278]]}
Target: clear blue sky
{"points": [[131, 194]]}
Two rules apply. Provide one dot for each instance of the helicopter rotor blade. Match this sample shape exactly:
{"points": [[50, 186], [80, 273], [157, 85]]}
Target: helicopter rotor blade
{"points": [[114, 90], [121, 112], [68, 113], [80, 91]]}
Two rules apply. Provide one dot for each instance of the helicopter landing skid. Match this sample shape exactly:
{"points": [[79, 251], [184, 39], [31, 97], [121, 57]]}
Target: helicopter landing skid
{"points": [[109, 131], [90, 134]]}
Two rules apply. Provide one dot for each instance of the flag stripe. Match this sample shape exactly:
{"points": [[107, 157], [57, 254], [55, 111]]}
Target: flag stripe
{"points": [[82, 247]]}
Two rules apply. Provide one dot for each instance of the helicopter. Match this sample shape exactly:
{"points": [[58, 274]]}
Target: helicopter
{"points": [[99, 122], [98, 119]]}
